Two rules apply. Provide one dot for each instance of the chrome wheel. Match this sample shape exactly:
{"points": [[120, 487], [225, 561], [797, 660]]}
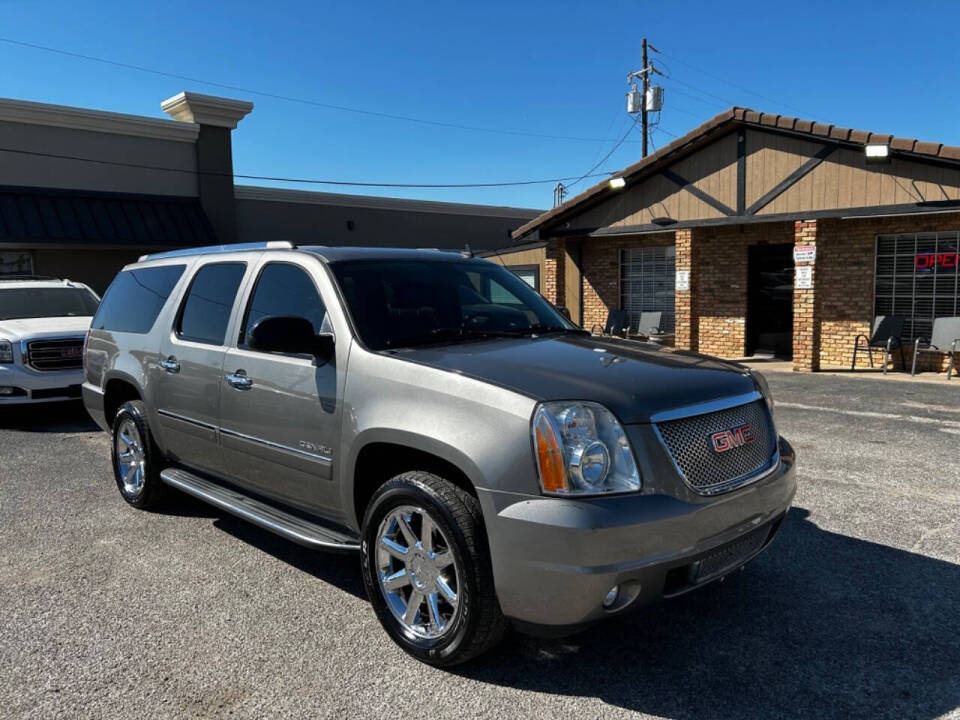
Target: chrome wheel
{"points": [[131, 458], [419, 576]]}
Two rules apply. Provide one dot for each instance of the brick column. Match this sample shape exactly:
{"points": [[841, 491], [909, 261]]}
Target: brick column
{"points": [[685, 301], [554, 285], [806, 324]]}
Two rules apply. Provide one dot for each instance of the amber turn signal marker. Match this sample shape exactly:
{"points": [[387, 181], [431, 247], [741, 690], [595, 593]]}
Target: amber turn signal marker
{"points": [[550, 457]]}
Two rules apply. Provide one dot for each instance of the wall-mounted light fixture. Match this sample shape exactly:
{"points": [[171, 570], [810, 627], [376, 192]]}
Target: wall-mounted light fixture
{"points": [[617, 183], [877, 153]]}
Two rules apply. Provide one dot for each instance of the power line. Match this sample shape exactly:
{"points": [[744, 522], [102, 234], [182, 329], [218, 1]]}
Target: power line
{"points": [[725, 101], [728, 82], [607, 156], [302, 101], [313, 181], [713, 103]]}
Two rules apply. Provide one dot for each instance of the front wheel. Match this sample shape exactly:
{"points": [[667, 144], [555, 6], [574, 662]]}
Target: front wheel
{"points": [[426, 566]]}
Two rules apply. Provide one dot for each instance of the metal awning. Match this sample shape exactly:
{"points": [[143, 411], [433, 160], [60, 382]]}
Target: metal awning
{"points": [[52, 216]]}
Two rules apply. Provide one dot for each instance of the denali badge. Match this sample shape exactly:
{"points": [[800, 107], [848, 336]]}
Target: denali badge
{"points": [[733, 438]]}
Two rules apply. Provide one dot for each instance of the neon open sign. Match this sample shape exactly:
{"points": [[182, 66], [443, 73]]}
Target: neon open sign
{"points": [[928, 262]]}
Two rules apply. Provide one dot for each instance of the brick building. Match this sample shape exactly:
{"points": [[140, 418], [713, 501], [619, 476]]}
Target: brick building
{"points": [[759, 233]]}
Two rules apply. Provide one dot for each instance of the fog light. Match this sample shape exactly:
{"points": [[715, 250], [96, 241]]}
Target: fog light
{"points": [[611, 596], [7, 390]]}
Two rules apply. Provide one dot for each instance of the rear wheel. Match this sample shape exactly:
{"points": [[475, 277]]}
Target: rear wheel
{"points": [[135, 457], [427, 569]]}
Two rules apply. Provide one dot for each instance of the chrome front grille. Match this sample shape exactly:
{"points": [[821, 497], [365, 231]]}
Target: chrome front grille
{"points": [[707, 470], [49, 355]]}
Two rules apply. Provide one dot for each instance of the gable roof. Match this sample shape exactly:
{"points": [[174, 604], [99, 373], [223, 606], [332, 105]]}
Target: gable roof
{"points": [[722, 124]]}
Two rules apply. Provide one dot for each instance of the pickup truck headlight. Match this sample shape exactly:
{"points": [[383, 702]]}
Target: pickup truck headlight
{"points": [[581, 449], [6, 352]]}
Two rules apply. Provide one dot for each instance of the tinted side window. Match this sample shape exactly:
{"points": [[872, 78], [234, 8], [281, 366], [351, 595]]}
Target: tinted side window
{"points": [[284, 290], [206, 309], [135, 298]]}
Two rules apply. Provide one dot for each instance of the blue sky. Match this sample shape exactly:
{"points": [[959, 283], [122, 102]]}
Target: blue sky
{"points": [[548, 68]]}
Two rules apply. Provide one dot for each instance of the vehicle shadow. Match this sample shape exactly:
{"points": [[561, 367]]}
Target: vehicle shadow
{"points": [[341, 570], [821, 625], [54, 417]]}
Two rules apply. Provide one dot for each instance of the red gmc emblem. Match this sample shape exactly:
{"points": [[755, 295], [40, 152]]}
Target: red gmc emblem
{"points": [[733, 438], [71, 352]]}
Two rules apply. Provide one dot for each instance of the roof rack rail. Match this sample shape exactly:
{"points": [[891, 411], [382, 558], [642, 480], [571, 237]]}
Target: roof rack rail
{"points": [[213, 249], [29, 277]]}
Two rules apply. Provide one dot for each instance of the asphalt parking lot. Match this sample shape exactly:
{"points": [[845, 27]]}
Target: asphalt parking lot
{"points": [[106, 611]]}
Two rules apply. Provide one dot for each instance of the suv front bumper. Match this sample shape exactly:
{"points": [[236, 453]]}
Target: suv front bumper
{"points": [[554, 560], [30, 386]]}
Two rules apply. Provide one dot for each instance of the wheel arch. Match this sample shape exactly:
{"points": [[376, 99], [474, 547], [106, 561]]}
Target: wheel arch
{"points": [[379, 456], [118, 389]]}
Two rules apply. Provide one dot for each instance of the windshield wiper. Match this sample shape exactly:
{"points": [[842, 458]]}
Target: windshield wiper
{"points": [[443, 335], [544, 329]]}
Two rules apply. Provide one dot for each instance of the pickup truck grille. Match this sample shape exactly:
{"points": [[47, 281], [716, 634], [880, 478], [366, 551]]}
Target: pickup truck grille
{"points": [[49, 355], [719, 451]]}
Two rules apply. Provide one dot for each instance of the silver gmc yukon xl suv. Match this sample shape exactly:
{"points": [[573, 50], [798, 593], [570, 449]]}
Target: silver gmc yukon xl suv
{"points": [[490, 461]]}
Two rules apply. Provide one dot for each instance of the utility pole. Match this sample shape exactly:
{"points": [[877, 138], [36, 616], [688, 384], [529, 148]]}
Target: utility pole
{"points": [[645, 99], [646, 88]]}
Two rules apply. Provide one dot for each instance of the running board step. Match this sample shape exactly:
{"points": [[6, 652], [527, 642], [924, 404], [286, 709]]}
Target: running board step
{"points": [[260, 513]]}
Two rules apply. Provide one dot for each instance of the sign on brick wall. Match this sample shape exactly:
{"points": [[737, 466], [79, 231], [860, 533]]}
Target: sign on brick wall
{"points": [[683, 280], [804, 253], [804, 277]]}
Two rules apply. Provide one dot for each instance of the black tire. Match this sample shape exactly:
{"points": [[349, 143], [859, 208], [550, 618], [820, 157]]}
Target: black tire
{"points": [[479, 624], [152, 490]]}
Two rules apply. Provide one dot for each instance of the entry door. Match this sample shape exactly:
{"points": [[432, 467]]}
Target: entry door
{"points": [[191, 361], [770, 300], [279, 414]]}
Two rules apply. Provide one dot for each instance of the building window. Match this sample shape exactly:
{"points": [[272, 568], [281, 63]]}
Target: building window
{"points": [[530, 274], [16, 263], [646, 283], [916, 277]]}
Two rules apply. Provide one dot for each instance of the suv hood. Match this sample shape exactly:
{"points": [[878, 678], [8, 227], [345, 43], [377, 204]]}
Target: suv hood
{"points": [[32, 328], [633, 379]]}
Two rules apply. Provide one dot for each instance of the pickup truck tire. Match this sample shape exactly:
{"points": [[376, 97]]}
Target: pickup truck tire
{"points": [[136, 457], [475, 624]]}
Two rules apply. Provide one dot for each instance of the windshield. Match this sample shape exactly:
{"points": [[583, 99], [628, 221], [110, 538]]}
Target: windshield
{"points": [[403, 303], [38, 302]]}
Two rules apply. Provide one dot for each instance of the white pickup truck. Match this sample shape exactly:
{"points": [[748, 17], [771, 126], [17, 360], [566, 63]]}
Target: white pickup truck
{"points": [[43, 324]]}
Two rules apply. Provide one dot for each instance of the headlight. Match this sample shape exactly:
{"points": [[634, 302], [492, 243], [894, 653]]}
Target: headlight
{"points": [[761, 382], [582, 450], [6, 352]]}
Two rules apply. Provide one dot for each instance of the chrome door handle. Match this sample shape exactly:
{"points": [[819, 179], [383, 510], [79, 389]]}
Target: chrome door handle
{"points": [[170, 365], [239, 380]]}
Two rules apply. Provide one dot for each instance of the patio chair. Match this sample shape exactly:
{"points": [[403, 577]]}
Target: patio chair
{"points": [[616, 324], [887, 336], [944, 340], [648, 326]]}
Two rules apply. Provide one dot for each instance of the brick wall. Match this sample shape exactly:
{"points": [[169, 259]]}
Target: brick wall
{"points": [[552, 282], [686, 305], [711, 318], [845, 264], [806, 325], [601, 272], [722, 283]]}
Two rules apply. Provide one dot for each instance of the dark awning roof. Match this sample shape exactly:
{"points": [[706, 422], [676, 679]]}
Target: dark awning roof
{"points": [[52, 216]]}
